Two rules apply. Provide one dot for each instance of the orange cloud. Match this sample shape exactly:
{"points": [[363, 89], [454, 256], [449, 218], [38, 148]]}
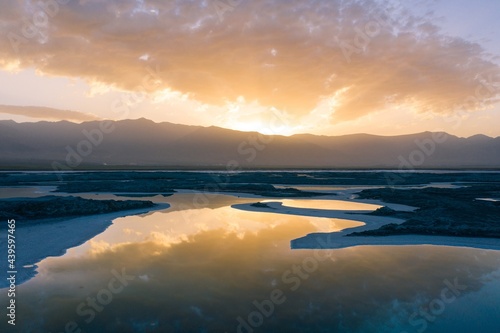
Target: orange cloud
{"points": [[47, 113], [291, 55]]}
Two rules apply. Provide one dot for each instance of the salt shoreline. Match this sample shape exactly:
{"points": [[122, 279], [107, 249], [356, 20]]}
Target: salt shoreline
{"points": [[63, 235], [338, 240]]}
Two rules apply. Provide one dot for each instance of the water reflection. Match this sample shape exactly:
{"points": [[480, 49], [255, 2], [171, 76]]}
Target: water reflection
{"points": [[327, 204], [176, 225], [199, 270]]}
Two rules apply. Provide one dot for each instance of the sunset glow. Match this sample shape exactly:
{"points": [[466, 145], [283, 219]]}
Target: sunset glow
{"points": [[389, 67], [250, 166]]}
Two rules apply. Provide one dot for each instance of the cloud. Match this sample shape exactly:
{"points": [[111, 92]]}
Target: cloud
{"points": [[292, 55], [47, 113]]}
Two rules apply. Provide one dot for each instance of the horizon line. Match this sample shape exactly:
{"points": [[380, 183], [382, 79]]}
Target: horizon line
{"points": [[234, 130]]}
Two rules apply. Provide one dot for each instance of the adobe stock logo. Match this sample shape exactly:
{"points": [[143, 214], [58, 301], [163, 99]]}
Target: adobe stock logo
{"points": [[291, 280], [428, 314], [84, 148], [96, 304], [36, 26]]}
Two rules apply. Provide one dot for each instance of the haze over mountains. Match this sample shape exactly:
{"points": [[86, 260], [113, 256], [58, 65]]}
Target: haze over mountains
{"points": [[142, 143]]}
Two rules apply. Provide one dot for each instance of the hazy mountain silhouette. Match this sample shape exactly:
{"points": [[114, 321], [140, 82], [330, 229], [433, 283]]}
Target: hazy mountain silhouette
{"points": [[142, 142]]}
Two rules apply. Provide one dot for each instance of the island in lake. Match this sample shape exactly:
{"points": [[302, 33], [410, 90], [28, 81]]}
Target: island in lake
{"points": [[457, 204]]}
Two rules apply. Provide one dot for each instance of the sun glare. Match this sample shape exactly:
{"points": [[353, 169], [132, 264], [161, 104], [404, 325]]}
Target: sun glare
{"points": [[262, 127]]}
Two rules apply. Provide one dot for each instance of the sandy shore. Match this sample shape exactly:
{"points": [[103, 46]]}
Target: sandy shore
{"points": [[39, 241], [337, 240]]}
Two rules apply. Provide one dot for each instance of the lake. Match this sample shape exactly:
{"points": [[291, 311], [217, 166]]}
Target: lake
{"points": [[214, 268]]}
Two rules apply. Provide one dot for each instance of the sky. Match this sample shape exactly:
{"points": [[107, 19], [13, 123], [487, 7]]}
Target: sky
{"points": [[328, 67]]}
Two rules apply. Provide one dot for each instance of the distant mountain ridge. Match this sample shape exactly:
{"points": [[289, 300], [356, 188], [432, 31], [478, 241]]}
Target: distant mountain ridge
{"points": [[143, 143]]}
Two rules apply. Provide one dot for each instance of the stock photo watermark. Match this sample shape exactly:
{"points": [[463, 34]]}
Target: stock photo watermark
{"points": [[486, 90], [249, 149], [421, 319], [85, 147], [220, 7], [95, 304], [33, 27], [364, 35], [93, 138], [291, 279], [11, 271]]}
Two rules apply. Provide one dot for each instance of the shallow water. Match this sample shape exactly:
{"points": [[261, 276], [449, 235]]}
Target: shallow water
{"points": [[327, 204], [211, 268]]}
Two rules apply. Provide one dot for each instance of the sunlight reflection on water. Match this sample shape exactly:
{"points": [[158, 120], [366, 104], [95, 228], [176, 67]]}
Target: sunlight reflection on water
{"points": [[199, 269]]}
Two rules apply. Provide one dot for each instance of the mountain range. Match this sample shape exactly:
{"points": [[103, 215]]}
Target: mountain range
{"points": [[142, 143]]}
